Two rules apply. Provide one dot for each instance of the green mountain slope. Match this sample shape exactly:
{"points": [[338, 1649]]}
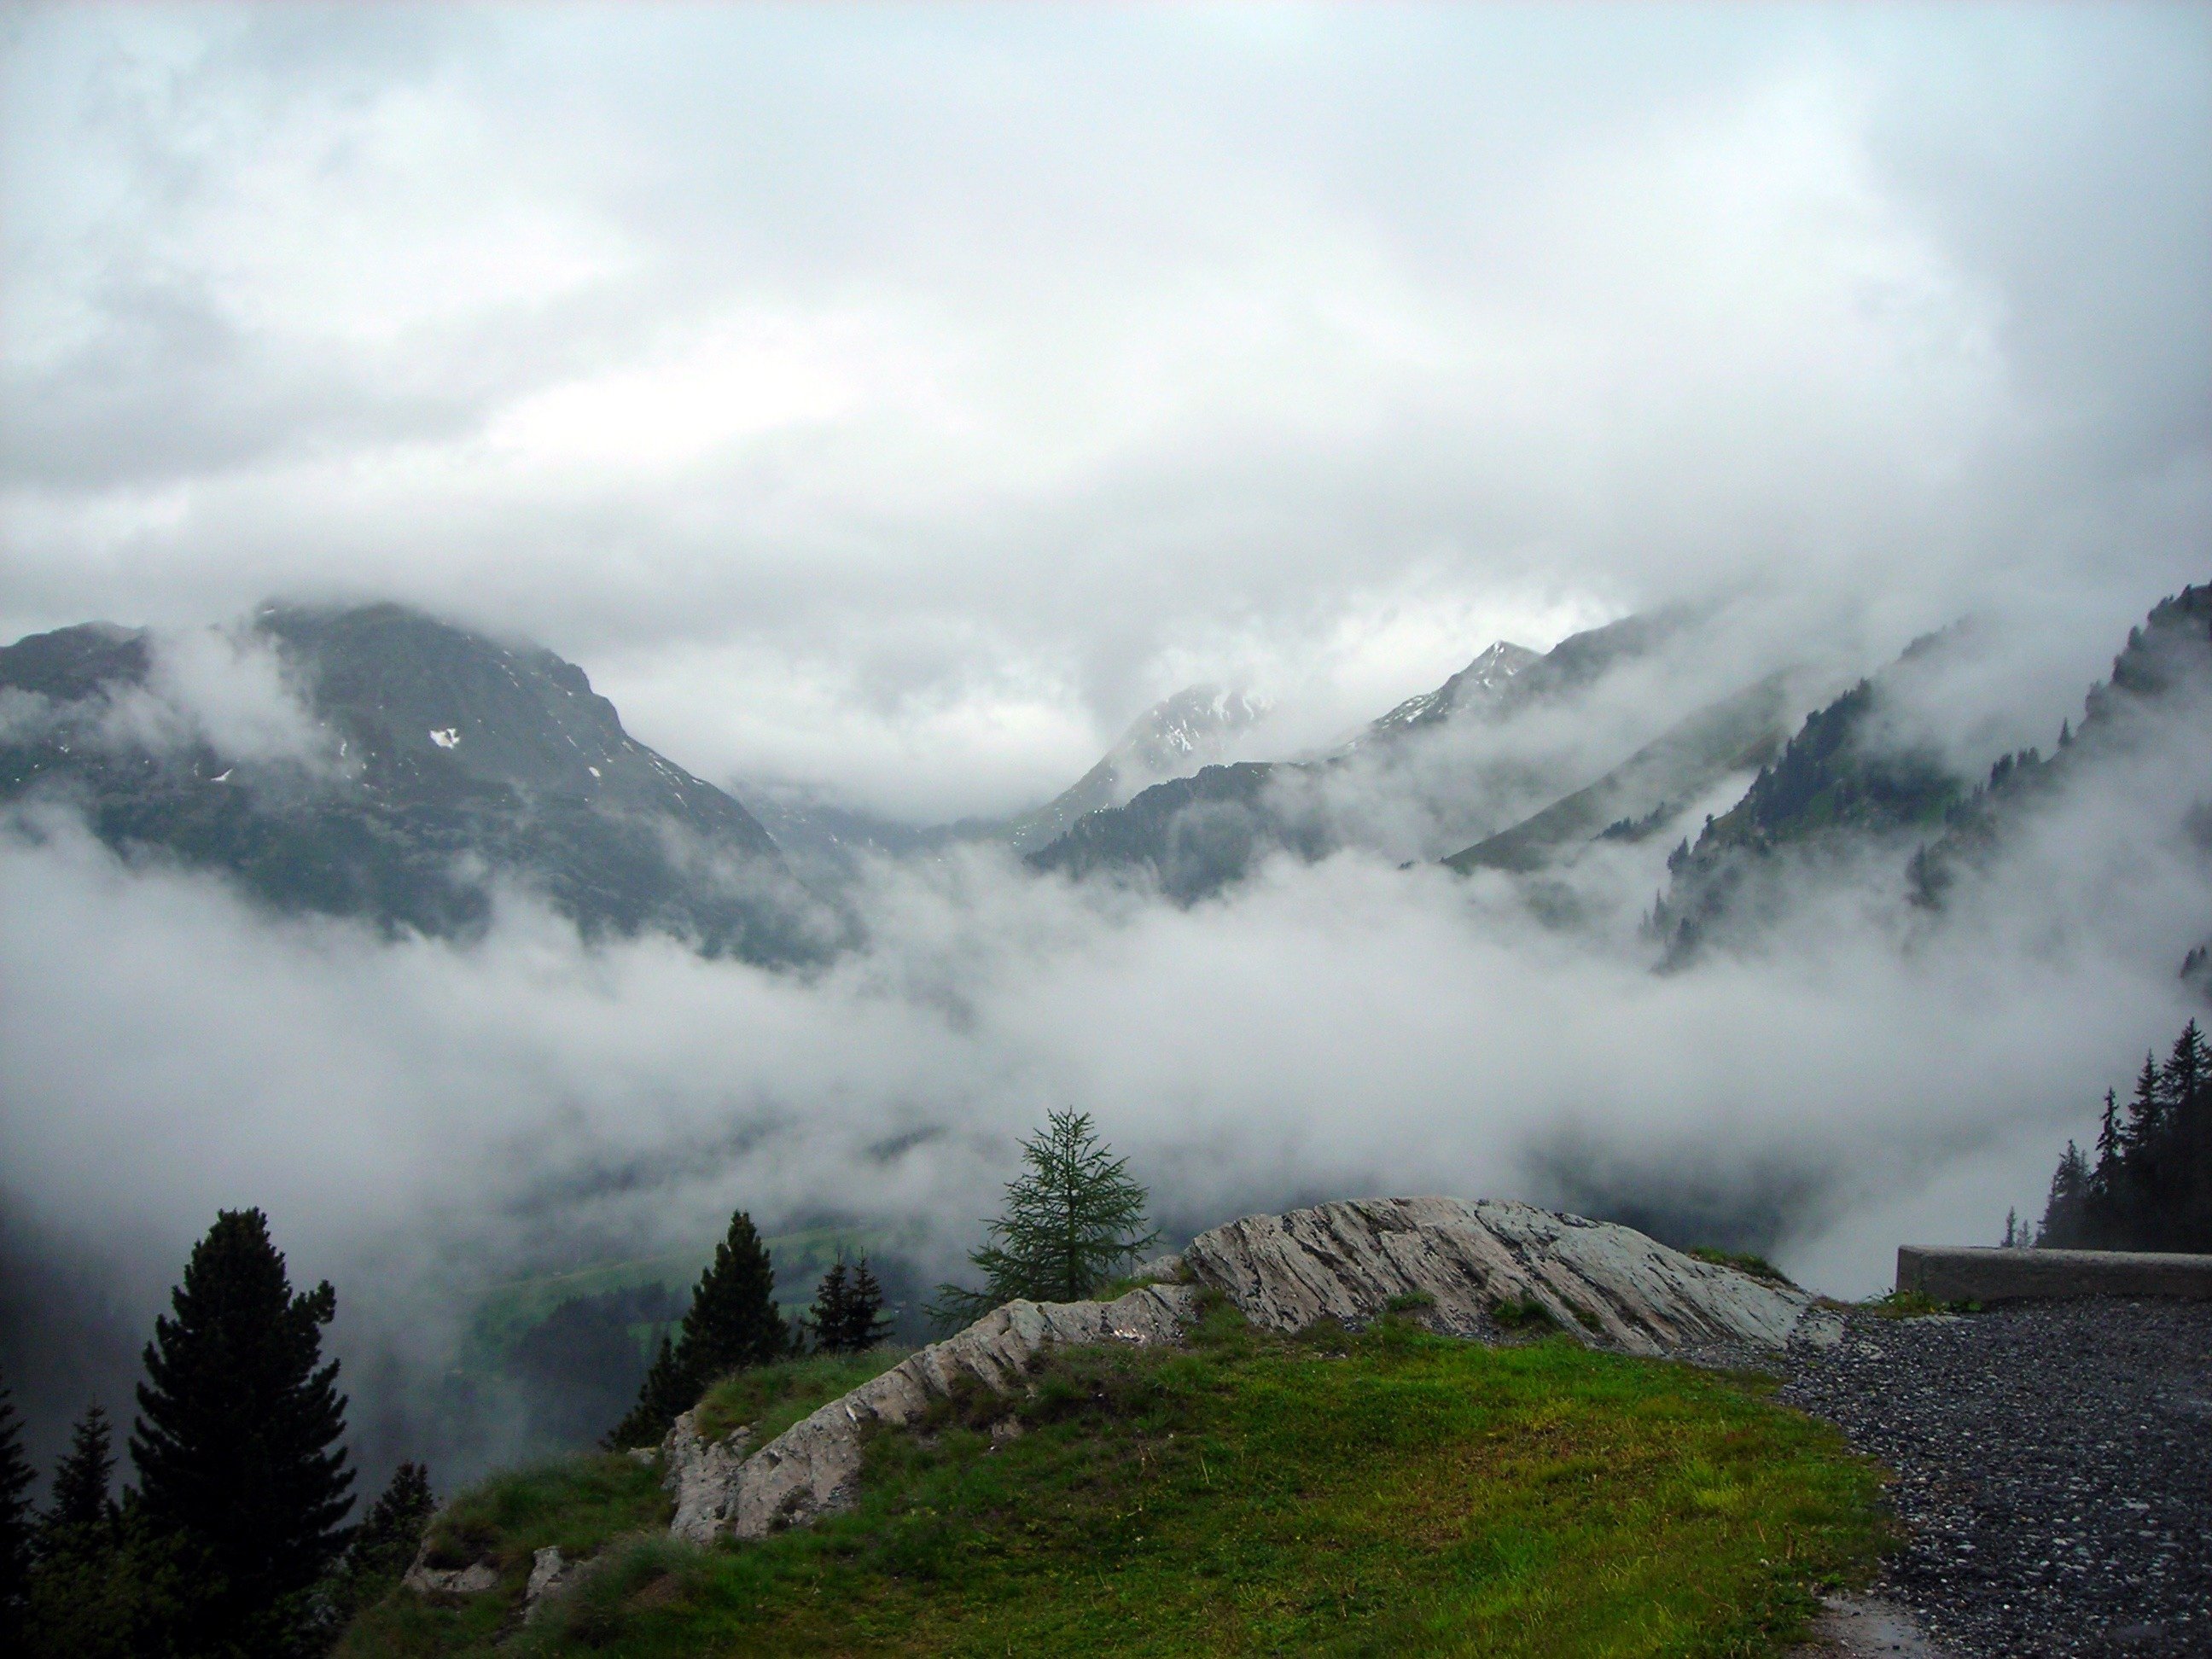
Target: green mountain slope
{"points": [[1647, 789]]}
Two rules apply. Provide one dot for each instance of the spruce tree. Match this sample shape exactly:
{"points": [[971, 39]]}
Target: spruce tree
{"points": [[80, 1508], [236, 1444], [831, 1311], [14, 1522], [2063, 1214], [384, 1544], [867, 1323], [848, 1316], [1070, 1221], [732, 1323]]}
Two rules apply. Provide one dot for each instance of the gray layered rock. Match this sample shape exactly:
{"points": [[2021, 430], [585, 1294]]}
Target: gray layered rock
{"points": [[1457, 1264], [550, 1573], [474, 1579], [1452, 1264], [814, 1466], [702, 1474]]}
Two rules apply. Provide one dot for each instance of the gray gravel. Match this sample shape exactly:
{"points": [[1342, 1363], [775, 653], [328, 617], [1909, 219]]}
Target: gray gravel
{"points": [[2054, 1468]]}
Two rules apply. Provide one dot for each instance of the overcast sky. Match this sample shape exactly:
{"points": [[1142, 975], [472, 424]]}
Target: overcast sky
{"points": [[899, 399]]}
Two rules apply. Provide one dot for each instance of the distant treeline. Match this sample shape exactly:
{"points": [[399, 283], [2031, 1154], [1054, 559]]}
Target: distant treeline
{"points": [[2151, 1186]]}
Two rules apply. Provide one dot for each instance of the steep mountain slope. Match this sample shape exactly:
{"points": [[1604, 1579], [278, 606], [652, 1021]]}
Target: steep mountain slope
{"points": [[1649, 788], [1195, 835], [1200, 835], [430, 764], [1173, 738], [1845, 786]]}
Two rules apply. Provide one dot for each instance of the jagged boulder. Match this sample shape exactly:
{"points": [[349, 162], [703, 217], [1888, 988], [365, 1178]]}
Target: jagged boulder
{"points": [[814, 1466], [1459, 1265]]}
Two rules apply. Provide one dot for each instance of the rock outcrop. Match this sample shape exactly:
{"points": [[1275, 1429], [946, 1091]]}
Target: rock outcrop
{"points": [[1466, 1269], [814, 1466], [551, 1572], [473, 1579], [1458, 1265], [702, 1474]]}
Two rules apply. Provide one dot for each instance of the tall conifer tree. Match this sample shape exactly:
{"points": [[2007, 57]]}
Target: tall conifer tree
{"points": [[80, 1508], [237, 1441], [15, 1520], [732, 1323]]}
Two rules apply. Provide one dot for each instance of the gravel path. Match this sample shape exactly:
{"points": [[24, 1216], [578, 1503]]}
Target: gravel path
{"points": [[2055, 1471]]}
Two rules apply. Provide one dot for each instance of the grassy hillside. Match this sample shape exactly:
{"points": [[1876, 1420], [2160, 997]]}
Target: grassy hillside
{"points": [[1388, 1492]]}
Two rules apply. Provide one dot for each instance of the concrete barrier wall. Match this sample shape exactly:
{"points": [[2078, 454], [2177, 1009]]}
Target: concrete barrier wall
{"points": [[1962, 1274]]}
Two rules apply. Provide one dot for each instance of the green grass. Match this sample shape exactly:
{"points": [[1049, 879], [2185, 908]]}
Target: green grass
{"points": [[1380, 1492], [1744, 1262], [774, 1397], [1913, 1304]]}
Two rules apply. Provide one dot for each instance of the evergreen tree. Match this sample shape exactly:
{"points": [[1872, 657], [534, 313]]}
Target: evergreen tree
{"points": [[2151, 1188], [867, 1323], [2063, 1216], [236, 1444], [831, 1308], [732, 1323], [14, 1522], [847, 1315], [386, 1542], [80, 1508], [1070, 1221]]}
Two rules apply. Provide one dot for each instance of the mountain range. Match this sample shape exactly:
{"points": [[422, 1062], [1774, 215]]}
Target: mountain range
{"points": [[431, 765]]}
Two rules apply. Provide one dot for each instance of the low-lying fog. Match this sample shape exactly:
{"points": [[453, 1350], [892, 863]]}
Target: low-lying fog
{"points": [[894, 403]]}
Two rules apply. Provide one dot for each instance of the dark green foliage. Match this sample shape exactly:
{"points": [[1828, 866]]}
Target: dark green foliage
{"points": [[732, 1323], [133, 1591], [2151, 1186], [236, 1444], [79, 1505], [385, 1543], [1829, 780], [584, 1361], [15, 1517], [1070, 1221], [665, 1394], [847, 1314]]}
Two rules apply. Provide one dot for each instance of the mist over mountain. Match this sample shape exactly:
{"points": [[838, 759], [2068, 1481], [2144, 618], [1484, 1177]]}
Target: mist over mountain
{"points": [[1549, 415], [402, 768], [1506, 736]]}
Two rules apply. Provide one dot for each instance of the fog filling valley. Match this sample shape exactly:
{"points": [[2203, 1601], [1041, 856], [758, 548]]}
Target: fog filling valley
{"points": [[897, 450]]}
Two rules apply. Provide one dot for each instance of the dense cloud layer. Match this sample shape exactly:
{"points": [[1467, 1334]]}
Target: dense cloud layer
{"points": [[422, 1120], [898, 402]]}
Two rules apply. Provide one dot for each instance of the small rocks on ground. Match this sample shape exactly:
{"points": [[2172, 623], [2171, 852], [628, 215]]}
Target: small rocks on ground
{"points": [[2054, 1465]]}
